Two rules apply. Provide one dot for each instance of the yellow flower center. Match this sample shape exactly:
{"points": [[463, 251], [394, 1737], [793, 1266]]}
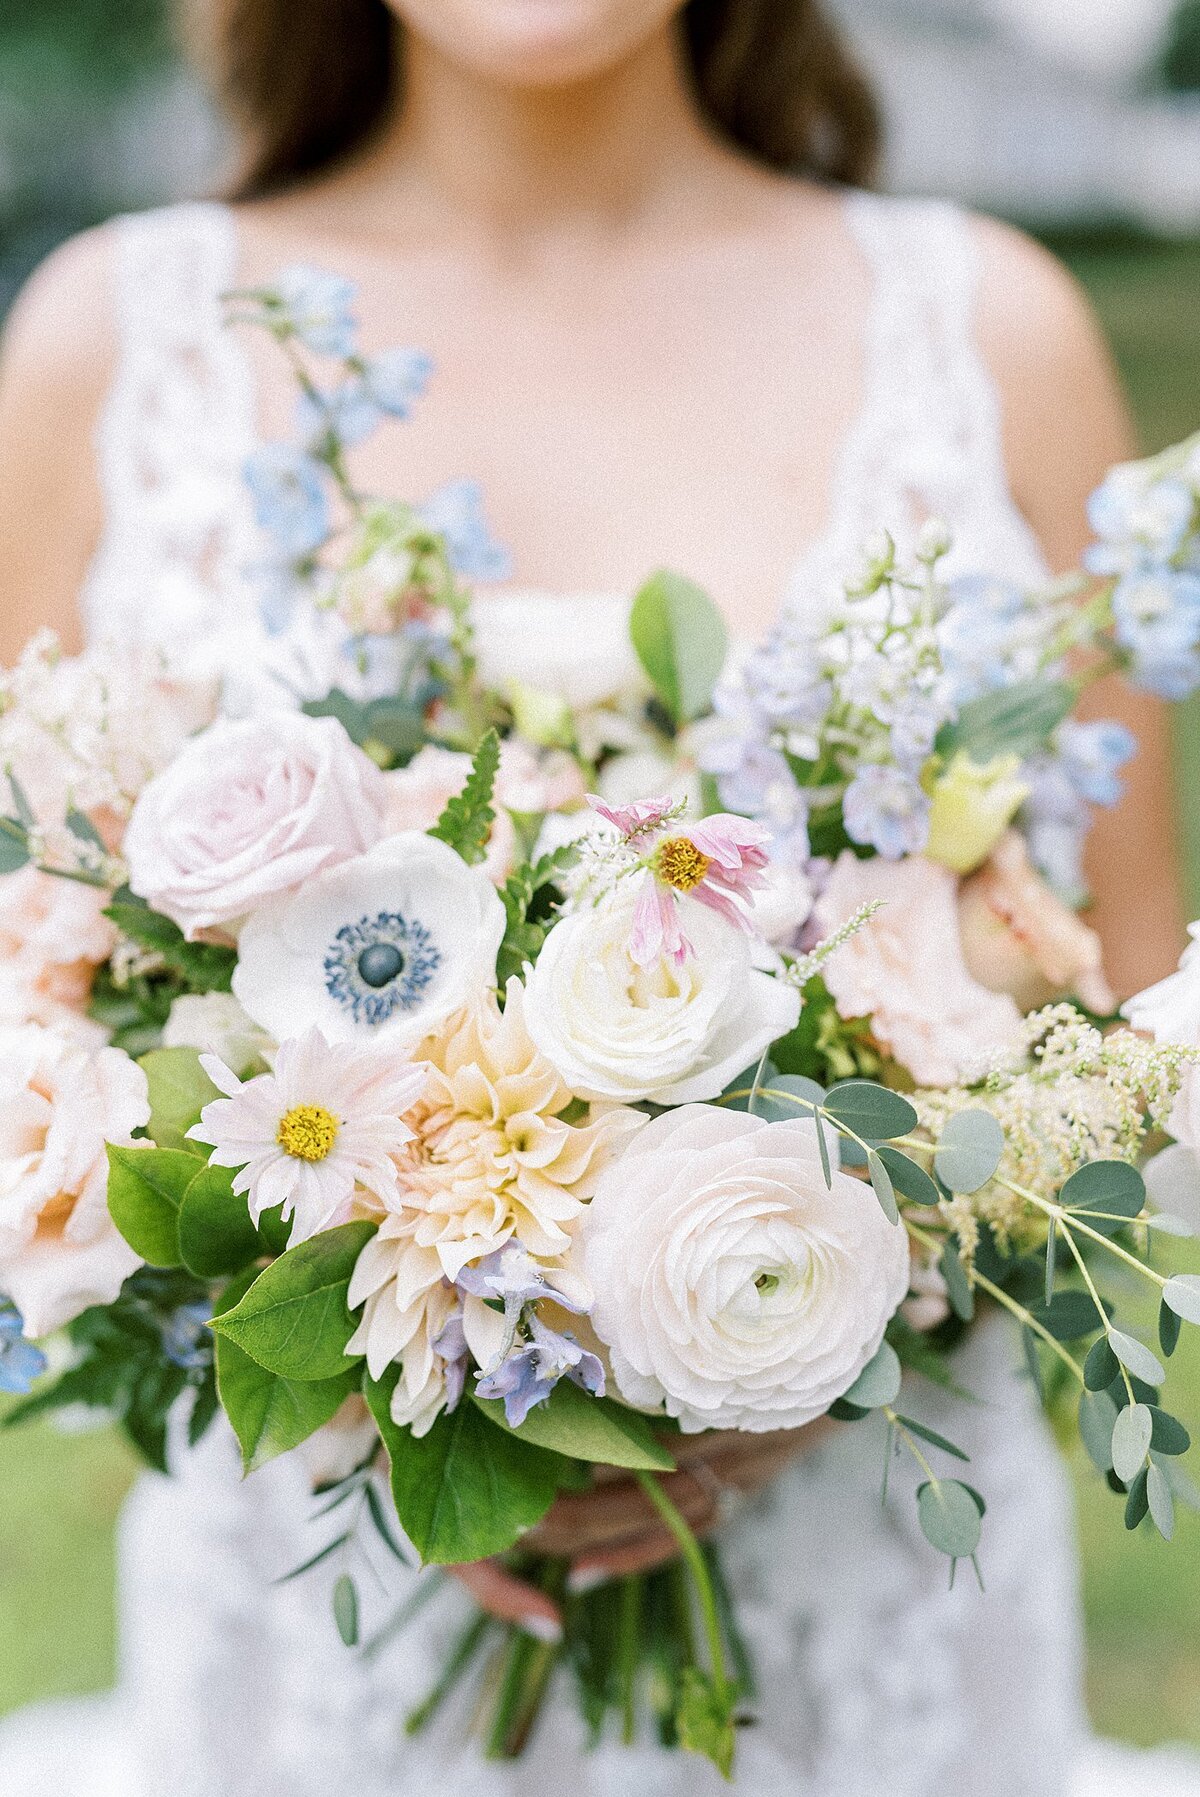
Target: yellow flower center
{"points": [[681, 864], [307, 1131]]}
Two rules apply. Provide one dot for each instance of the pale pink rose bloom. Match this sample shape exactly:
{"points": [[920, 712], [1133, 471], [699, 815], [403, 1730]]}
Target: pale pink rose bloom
{"points": [[249, 811], [60, 1104], [1019, 937], [905, 968], [1170, 1012], [53, 936]]}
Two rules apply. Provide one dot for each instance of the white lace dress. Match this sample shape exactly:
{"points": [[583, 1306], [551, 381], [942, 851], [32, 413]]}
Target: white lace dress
{"points": [[874, 1676]]}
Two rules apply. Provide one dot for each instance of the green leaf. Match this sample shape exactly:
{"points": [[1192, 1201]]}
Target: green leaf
{"points": [[294, 1320], [950, 1517], [204, 966], [680, 639], [705, 1720], [871, 1111], [270, 1415], [1138, 1502], [1101, 1366], [345, 1609], [465, 1490], [14, 845], [179, 1090], [1014, 720], [1097, 1419], [781, 1097], [1182, 1295], [1169, 1437], [216, 1234], [586, 1428], [530, 902], [466, 822], [1131, 1441], [881, 1185], [931, 1435], [958, 1286], [1069, 1315], [1170, 1327], [145, 1190], [910, 1180], [1135, 1357], [879, 1381], [1160, 1501], [1110, 1192], [969, 1151]]}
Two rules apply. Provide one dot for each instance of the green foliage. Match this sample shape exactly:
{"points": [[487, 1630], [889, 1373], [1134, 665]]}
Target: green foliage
{"points": [[1180, 66], [705, 1720], [391, 730], [294, 1319], [871, 1111], [1016, 720], [14, 845], [217, 1236], [201, 966], [680, 640], [969, 1151], [825, 1047], [950, 1514], [531, 898], [1106, 1194], [135, 1011], [466, 822], [573, 1423], [878, 1383], [145, 1189], [122, 1363], [179, 1090], [466, 1489]]}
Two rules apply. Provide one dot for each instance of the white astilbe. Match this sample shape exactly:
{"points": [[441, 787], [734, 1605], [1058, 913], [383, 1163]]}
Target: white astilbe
{"points": [[1064, 1094]]}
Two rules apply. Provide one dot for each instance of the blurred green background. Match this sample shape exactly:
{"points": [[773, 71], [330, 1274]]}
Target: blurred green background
{"points": [[72, 74]]}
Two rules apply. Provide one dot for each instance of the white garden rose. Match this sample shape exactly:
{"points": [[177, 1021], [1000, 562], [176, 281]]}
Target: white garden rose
{"points": [[215, 1023], [520, 643], [247, 811], [673, 1034], [386, 945], [732, 1286]]}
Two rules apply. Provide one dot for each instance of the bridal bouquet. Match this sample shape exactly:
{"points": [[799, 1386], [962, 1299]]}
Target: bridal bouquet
{"points": [[364, 1076]]}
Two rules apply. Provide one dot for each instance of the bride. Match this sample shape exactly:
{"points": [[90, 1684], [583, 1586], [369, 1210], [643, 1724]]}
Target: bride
{"points": [[669, 326]]}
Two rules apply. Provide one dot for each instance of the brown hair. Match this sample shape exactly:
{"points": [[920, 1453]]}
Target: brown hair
{"points": [[309, 81]]}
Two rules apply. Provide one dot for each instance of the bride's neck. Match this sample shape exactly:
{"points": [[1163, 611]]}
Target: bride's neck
{"points": [[618, 149]]}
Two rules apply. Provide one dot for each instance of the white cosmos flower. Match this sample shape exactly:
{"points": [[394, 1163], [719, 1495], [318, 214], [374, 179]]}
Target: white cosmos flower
{"points": [[732, 1286], [615, 1030], [380, 948], [324, 1120]]}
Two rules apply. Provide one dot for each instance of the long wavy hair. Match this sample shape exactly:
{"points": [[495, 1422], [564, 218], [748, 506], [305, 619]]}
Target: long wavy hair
{"points": [[308, 82]]}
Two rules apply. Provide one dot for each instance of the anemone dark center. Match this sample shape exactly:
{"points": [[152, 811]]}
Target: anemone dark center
{"points": [[380, 963]]}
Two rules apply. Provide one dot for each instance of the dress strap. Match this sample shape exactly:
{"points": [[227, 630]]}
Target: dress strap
{"points": [[174, 432], [928, 441]]}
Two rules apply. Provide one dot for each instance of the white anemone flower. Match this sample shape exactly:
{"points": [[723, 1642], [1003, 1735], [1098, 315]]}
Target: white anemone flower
{"points": [[324, 1121], [383, 947]]}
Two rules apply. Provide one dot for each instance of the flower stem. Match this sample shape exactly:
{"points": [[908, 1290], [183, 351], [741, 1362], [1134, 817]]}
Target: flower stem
{"points": [[694, 1559], [628, 1634]]}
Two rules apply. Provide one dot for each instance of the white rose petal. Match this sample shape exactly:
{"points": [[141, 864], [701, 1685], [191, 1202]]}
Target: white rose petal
{"points": [[672, 1034], [301, 959], [1170, 1012], [732, 1286]]}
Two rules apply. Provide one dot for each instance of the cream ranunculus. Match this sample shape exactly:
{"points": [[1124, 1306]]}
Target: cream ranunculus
{"points": [[59, 1105], [387, 945], [731, 1285], [673, 1034], [1170, 1012], [248, 811]]}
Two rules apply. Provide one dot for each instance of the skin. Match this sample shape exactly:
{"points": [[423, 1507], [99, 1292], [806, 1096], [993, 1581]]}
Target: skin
{"points": [[649, 351]]}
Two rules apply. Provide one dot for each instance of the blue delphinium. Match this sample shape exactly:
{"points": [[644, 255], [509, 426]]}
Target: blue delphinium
{"points": [[1092, 756], [1081, 768], [185, 1336], [396, 378], [20, 1362], [455, 512], [886, 810], [1157, 616], [317, 307], [290, 502], [531, 1370], [510, 1276], [1140, 521]]}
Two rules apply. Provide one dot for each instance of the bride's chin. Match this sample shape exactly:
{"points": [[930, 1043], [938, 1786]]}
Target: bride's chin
{"points": [[536, 43]]}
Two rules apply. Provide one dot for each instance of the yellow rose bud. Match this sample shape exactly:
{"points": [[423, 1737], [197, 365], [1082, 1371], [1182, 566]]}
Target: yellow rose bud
{"points": [[971, 808]]}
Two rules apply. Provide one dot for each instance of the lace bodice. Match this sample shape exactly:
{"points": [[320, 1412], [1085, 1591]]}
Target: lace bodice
{"points": [[179, 550], [874, 1677]]}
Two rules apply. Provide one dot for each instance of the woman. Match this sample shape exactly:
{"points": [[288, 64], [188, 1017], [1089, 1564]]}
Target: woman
{"points": [[663, 334]]}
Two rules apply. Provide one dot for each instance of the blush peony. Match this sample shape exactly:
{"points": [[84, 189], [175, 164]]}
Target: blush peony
{"points": [[248, 811], [53, 936], [59, 1104], [732, 1287]]}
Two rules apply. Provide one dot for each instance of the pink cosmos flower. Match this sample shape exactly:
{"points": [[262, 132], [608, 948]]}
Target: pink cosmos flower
{"points": [[719, 862]]}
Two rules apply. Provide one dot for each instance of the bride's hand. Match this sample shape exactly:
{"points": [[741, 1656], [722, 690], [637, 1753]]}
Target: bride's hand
{"points": [[614, 1530]]}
